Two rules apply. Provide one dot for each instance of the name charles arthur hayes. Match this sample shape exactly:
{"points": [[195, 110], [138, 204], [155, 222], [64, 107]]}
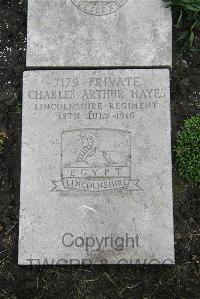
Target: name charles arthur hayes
{"points": [[97, 89]]}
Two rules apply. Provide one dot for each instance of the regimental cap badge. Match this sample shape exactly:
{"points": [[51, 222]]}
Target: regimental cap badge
{"points": [[99, 7]]}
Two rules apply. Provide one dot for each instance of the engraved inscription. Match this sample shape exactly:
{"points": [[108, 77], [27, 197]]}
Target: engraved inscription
{"points": [[96, 98], [94, 157], [99, 7]]}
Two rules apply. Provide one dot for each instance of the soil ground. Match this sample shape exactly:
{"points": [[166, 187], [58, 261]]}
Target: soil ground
{"points": [[179, 281]]}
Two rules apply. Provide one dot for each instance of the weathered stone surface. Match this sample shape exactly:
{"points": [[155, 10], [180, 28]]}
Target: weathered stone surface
{"points": [[96, 163], [63, 33]]}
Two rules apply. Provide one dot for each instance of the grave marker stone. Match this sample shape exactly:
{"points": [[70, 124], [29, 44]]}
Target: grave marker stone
{"points": [[85, 33], [96, 182]]}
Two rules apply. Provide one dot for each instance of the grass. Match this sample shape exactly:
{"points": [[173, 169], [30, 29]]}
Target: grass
{"points": [[18, 108], [187, 19], [3, 137], [188, 150]]}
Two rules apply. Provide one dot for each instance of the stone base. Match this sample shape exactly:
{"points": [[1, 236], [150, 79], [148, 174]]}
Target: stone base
{"points": [[96, 184]]}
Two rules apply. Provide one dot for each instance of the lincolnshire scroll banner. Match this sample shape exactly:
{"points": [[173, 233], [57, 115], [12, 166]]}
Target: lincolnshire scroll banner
{"points": [[68, 184]]}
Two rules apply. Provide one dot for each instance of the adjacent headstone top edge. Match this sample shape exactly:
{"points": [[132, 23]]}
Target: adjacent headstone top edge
{"points": [[62, 34]]}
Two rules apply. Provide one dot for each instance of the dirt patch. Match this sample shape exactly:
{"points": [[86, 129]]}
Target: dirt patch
{"points": [[180, 281]]}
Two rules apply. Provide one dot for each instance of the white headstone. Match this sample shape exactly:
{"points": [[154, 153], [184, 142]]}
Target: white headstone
{"points": [[81, 33], [96, 181]]}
